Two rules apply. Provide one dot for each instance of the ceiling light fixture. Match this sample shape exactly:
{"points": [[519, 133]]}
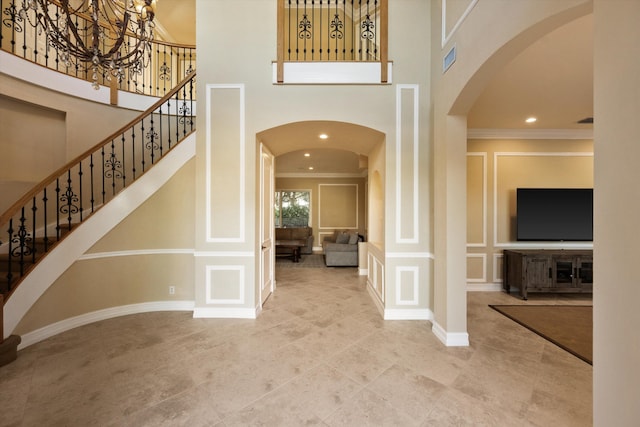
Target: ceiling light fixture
{"points": [[307, 155], [531, 120], [310, 168], [323, 136], [98, 36]]}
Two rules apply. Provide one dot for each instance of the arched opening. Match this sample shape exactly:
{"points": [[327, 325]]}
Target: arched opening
{"points": [[331, 164]]}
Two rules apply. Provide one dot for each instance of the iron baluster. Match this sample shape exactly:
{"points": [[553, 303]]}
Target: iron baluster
{"points": [[45, 223], [91, 169], [57, 209], [9, 258], [80, 188], [34, 208], [142, 142], [104, 192], [133, 150], [124, 166]]}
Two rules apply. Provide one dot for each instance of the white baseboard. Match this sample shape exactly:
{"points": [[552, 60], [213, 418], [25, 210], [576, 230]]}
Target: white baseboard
{"points": [[450, 339], [96, 316], [363, 271]]}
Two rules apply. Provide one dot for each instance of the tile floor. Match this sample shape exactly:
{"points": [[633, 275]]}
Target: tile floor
{"points": [[318, 355]]}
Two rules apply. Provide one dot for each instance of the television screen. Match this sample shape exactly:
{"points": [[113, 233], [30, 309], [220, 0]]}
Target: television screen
{"points": [[554, 214]]}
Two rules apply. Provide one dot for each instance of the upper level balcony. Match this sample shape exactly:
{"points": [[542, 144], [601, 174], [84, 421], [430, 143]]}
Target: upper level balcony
{"points": [[332, 42]]}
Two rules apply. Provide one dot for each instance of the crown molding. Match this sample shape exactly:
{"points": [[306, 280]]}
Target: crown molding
{"points": [[322, 175], [530, 134]]}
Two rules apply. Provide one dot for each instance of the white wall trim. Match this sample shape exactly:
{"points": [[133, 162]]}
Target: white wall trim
{"points": [[241, 169], [409, 255], [93, 229], [48, 331], [224, 254], [408, 314], [319, 72], [450, 339], [135, 252], [415, 155], [530, 134], [446, 37], [39, 75]]}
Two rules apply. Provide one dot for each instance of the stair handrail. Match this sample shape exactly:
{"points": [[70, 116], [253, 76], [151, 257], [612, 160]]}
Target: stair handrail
{"points": [[156, 142]]}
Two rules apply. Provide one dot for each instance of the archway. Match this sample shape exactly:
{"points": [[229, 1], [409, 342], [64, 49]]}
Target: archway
{"points": [[343, 160], [456, 92]]}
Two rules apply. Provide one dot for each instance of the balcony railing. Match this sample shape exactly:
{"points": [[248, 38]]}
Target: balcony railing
{"points": [[168, 63], [44, 215], [332, 31]]}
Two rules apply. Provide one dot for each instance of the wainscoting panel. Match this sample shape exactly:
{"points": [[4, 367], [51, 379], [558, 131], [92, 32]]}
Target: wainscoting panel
{"points": [[476, 268], [338, 206], [407, 144], [225, 153], [407, 282], [218, 281], [476, 199]]}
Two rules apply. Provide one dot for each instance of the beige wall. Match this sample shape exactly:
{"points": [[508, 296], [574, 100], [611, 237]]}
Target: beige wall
{"points": [[245, 81], [616, 343], [134, 263], [495, 169], [336, 203]]}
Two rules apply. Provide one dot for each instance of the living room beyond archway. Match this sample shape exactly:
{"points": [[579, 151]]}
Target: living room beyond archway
{"points": [[322, 175]]}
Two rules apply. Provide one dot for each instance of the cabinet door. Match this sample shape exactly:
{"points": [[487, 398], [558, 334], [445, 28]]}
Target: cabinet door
{"points": [[585, 273], [536, 274], [564, 272]]}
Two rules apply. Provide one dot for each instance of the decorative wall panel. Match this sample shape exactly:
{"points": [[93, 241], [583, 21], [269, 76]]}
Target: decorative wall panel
{"points": [[225, 154]]}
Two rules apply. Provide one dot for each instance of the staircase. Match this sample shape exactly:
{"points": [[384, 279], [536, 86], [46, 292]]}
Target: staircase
{"points": [[54, 208]]}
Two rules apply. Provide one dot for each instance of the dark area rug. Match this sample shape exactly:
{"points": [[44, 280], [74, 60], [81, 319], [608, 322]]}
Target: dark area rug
{"points": [[570, 327], [306, 261]]}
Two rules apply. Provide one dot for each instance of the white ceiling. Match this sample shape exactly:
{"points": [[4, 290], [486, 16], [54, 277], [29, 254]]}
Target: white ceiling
{"points": [[551, 80]]}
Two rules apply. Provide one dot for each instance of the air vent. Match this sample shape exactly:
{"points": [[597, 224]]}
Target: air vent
{"points": [[586, 120]]}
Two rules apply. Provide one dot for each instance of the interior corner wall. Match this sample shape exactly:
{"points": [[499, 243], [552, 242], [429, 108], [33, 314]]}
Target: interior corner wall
{"points": [[616, 342]]}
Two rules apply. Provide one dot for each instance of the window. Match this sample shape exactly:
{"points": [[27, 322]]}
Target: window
{"points": [[292, 208]]}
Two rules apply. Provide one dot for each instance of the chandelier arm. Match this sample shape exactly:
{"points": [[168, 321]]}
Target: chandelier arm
{"points": [[118, 42]]}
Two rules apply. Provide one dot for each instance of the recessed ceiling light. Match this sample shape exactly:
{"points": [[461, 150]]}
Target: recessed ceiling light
{"points": [[323, 136], [310, 168], [307, 155], [531, 120]]}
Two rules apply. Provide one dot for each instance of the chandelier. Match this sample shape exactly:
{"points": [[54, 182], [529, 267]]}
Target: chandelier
{"points": [[100, 37]]}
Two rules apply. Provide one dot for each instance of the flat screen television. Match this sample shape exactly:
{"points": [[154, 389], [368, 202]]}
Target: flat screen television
{"points": [[554, 214]]}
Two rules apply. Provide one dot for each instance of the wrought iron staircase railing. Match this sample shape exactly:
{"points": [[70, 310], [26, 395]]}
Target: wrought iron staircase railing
{"points": [[41, 218], [333, 31], [168, 63]]}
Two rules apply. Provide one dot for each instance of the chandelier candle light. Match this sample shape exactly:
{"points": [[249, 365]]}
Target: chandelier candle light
{"points": [[99, 36]]}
